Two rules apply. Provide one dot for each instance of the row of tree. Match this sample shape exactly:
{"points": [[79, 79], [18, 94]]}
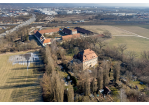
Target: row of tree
{"points": [[52, 83]]}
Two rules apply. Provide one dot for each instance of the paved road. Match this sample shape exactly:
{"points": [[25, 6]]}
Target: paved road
{"points": [[32, 19]]}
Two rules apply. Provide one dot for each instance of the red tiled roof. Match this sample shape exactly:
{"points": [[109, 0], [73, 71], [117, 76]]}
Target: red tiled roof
{"points": [[88, 55], [67, 37], [35, 31], [46, 41], [74, 30], [47, 31]]}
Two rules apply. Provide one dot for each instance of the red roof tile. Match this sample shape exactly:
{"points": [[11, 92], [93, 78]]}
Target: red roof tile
{"points": [[47, 31], [46, 41], [67, 37], [88, 55]]}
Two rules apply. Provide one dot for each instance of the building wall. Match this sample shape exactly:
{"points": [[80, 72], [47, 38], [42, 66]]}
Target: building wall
{"points": [[74, 32], [46, 43], [90, 63]]}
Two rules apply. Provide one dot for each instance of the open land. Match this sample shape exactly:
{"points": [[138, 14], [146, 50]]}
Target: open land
{"points": [[101, 28], [124, 35], [72, 17], [133, 43], [140, 30], [18, 84]]}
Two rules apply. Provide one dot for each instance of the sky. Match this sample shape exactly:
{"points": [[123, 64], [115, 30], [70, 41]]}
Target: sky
{"points": [[116, 3], [87, 4], [127, 4]]}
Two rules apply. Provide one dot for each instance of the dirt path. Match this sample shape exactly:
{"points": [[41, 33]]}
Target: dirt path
{"points": [[134, 34]]}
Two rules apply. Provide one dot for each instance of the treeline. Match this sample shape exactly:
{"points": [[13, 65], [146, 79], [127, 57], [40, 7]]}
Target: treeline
{"points": [[82, 81], [17, 41], [138, 66], [53, 84], [111, 17]]}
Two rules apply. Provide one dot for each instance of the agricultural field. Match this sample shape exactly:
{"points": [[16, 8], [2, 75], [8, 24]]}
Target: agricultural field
{"points": [[142, 30], [72, 17], [101, 28], [16, 83], [133, 43]]}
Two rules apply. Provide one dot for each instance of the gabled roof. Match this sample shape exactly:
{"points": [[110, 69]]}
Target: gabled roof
{"points": [[66, 30], [74, 30], [46, 41], [86, 55], [38, 35], [76, 35], [82, 30], [67, 37], [48, 30]]}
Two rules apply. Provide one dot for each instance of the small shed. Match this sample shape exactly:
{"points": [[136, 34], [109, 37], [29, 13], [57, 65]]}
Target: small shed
{"points": [[106, 90]]}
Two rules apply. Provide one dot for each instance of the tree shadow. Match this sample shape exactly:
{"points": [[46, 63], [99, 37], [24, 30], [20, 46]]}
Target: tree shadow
{"points": [[29, 95], [26, 88], [32, 37]]}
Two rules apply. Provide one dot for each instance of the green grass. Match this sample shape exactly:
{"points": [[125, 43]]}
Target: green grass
{"points": [[16, 84], [115, 94], [63, 74], [133, 43], [134, 83]]}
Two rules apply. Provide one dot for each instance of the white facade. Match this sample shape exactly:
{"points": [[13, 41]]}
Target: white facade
{"points": [[90, 63]]}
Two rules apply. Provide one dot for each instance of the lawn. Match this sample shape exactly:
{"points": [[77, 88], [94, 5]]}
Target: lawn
{"points": [[136, 83], [133, 43], [140, 30], [18, 84], [101, 28]]}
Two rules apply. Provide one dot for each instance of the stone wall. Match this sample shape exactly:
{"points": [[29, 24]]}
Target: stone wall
{"points": [[90, 63], [74, 32]]}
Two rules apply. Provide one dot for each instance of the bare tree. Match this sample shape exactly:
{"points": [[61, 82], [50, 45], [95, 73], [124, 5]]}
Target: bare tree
{"points": [[93, 86], [76, 50], [116, 72], [132, 55], [53, 87], [86, 84], [101, 43], [122, 48], [106, 68], [145, 55], [107, 34], [100, 78], [70, 94]]}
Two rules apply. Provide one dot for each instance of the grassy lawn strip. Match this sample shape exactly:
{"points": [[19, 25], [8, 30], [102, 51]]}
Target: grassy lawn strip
{"points": [[133, 43], [16, 83]]}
